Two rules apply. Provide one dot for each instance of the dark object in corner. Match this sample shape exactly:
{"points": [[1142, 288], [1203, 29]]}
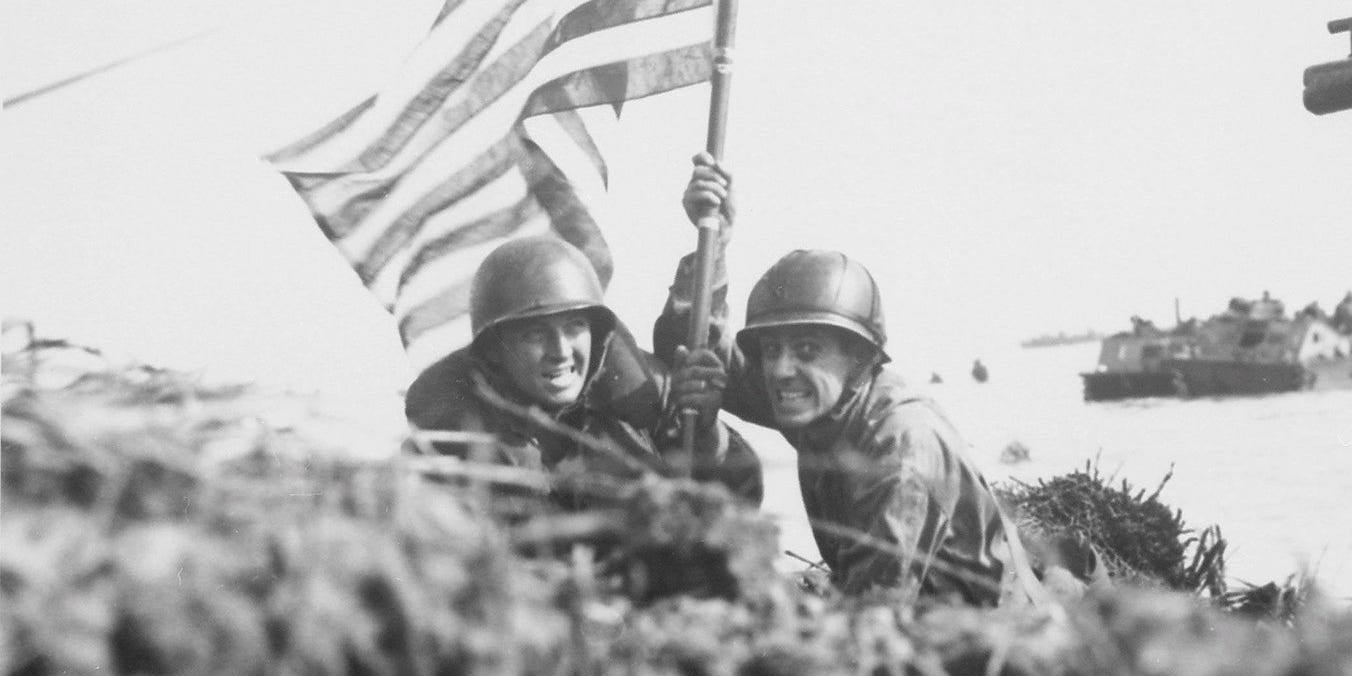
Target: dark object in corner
{"points": [[1328, 86]]}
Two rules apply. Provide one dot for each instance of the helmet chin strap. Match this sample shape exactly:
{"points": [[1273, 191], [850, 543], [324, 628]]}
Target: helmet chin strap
{"points": [[858, 376], [861, 374], [867, 360]]}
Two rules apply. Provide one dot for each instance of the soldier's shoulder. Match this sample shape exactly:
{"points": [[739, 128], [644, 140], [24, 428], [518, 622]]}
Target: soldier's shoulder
{"points": [[891, 392], [630, 383], [441, 386], [898, 406], [449, 369]]}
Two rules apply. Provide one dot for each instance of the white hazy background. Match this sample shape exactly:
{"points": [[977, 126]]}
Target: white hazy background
{"points": [[1005, 170]]}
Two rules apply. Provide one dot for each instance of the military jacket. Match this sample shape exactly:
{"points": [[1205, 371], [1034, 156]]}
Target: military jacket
{"points": [[884, 476], [624, 404]]}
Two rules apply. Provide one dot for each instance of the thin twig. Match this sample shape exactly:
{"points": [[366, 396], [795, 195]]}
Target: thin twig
{"points": [[429, 461], [535, 415], [451, 437], [568, 527], [1167, 476], [451, 466], [791, 554]]}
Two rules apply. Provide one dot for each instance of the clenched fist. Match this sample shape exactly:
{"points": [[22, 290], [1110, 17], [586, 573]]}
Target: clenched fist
{"points": [[697, 383], [710, 193]]}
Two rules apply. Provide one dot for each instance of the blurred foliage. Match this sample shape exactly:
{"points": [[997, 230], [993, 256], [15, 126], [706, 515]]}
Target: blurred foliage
{"points": [[156, 525]]}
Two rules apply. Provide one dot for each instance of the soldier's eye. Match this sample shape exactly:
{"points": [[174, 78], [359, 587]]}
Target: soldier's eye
{"points": [[807, 351], [770, 350], [534, 334]]}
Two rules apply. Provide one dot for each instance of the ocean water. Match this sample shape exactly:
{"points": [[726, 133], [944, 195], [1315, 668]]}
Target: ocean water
{"points": [[1275, 471]]}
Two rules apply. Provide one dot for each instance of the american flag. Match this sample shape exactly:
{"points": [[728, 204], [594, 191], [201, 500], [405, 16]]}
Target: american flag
{"points": [[492, 129]]}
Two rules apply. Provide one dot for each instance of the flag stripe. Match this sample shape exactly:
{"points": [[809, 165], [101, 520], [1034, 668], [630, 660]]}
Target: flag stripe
{"points": [[588, 18], [567, 214], [437, 309], [561, 143], [649, 75], [452, 298], [324, 133], [421, 67], [571, 121], [566, 196], [359, 203], [496, 224], [411, 118], [488, 133], [623, 81], [599, 15], [548, 187], [452, 302], [501, 193], [500, 158], [483, 102], [433, 343], [446, 9], [487, 88]]}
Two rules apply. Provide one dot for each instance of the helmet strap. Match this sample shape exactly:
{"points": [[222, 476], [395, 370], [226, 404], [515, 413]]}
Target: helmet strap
{"points": [[867, 357]]}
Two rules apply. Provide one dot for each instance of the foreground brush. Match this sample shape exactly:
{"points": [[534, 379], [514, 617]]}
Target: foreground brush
{"points": [[1083, 515], [156, 525]]}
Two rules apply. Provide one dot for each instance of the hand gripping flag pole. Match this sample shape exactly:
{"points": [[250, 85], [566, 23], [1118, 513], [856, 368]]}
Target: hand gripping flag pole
{"points": [[708, 223]]}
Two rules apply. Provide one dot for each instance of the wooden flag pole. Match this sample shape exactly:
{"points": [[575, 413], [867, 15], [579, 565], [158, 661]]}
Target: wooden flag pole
{"points": [[708, 224]]}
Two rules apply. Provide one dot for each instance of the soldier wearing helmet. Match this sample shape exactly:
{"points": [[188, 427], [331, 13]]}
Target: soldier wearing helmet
{"points": [[885, 479], [543, 337]]}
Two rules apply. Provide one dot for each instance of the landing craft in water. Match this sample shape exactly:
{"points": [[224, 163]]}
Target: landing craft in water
{"points": [[1061, 338], [1251, 348]]}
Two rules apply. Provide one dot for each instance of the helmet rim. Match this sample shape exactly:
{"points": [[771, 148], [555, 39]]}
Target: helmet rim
{"points": [[746, 337], [821, 287], [600, 317], [532, 277]]}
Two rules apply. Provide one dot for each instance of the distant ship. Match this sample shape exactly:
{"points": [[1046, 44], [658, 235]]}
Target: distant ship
{"points": [[1061, 338], [1251, 348]]}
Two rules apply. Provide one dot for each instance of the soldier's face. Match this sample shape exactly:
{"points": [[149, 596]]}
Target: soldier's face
{"points": [[547, 358], [806, 369]]}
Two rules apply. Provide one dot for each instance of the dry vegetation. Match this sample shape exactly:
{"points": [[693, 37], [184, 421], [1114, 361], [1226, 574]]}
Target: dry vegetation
{"points": [[154, 525]]}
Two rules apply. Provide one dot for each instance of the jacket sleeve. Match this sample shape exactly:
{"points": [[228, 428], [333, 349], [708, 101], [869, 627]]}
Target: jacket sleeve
{"points": [[890, 501], [728, 458], [932, 509], [737, 468], [673, 324], [741, 397]]}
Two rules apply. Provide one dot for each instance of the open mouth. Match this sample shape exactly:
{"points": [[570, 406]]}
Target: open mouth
{"points": [[793, 397], [561, 378]]}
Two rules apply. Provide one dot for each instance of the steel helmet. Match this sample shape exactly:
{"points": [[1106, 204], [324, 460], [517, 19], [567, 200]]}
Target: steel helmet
{"points": [[816, 287], [532, 277]]}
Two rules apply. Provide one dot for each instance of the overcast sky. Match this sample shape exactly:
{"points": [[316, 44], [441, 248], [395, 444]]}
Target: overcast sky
{"points": [[1005, 169]]}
